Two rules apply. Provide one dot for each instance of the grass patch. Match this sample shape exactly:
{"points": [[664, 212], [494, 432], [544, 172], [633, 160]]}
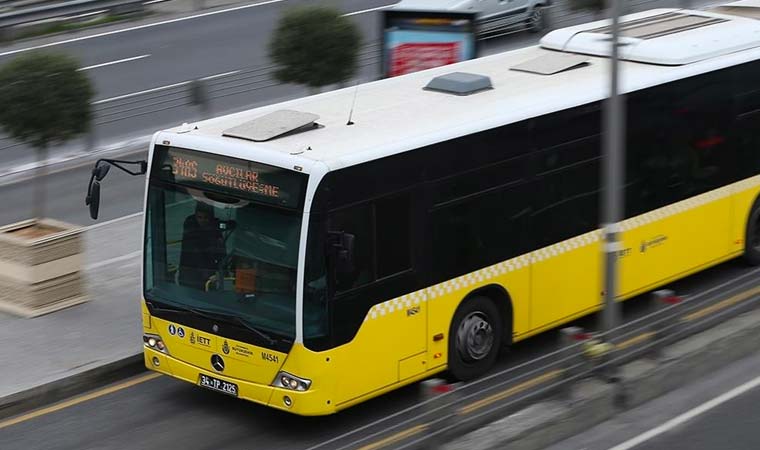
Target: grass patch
{"points": [[62, 27]]}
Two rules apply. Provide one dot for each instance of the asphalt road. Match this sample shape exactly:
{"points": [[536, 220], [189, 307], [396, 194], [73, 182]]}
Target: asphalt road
{"points": [[698, 416], [174, 52], [166, 413], [121, 194]]}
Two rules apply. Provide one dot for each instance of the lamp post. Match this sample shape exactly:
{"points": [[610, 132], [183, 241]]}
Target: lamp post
{"points": [[614, 151]]}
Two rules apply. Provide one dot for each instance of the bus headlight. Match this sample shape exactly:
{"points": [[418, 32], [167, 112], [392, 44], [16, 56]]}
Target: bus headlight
{"points": [[155, 342], [292, 382]]}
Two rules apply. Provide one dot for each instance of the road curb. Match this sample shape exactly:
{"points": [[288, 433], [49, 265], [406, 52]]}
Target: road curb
{"points": [[66, 387], [553, 420]]}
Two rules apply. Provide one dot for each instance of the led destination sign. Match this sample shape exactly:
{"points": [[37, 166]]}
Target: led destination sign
{"points": [[231, 176]]}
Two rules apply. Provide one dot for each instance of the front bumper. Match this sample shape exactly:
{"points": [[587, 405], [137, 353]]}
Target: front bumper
{"points": [[313, 402]]}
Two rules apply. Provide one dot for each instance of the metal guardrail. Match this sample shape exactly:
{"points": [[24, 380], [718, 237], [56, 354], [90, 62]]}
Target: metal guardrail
{"points": [[30, 14], [580, 356]]}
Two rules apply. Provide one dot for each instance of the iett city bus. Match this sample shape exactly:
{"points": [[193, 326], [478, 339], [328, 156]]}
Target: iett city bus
{"points": [[313, 254]]}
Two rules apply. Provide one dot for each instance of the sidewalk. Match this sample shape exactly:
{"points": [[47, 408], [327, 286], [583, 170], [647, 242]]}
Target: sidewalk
{"points": [[105, 329]]}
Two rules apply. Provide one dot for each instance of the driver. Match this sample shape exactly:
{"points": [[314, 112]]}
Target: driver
{"points": [[202, 247]]}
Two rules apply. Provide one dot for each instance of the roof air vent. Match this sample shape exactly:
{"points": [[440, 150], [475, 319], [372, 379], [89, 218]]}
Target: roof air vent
{"points": [[274, 124], [459, 83], [660, 25], [552, 63]]}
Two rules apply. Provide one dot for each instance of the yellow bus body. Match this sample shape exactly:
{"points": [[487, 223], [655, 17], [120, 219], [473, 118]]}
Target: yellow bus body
{"points": [[405, 339]]}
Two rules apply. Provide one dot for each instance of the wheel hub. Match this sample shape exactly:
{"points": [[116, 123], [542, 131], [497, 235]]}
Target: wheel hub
{"points": [[475, 337]]}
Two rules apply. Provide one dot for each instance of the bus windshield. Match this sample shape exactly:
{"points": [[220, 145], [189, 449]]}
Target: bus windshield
{"points": [[223, 255]]}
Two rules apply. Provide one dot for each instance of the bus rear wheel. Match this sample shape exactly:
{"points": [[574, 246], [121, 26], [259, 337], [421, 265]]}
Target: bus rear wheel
{"points": [[752, 237], [474, 338]]}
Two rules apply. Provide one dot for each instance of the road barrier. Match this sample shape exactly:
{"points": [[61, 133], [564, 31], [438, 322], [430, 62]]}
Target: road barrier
{"points": [[585, 365], [36, 13]]}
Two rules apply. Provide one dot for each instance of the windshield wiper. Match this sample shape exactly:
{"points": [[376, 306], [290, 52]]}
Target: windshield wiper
{"points": [[214, 315], [167, 308]]}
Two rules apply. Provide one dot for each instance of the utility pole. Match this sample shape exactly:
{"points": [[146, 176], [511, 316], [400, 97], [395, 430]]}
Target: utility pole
{"points": [[614, 151]]}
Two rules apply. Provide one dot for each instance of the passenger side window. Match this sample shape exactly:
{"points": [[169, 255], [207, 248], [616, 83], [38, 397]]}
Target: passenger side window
{"points": [[679, 142], [478, 230], [382, 239], [567, 191]]}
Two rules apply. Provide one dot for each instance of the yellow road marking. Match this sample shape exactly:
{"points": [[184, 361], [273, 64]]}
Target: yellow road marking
{"points": [[635, 340], [548, 376], [396, 437], [78, 400], [722, 304]]}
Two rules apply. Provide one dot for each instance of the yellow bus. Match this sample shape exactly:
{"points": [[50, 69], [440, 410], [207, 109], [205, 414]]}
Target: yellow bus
{"points": [[316, 253]]}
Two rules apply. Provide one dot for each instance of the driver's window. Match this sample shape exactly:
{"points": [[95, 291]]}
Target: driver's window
{"points": [[355, 220]]}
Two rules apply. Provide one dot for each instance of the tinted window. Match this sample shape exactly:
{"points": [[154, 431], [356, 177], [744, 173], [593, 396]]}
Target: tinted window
{"points": [[747, 83], [357, 221], [381, 231], [680, 141], [392, 218], [566, 199], [478, 231]]}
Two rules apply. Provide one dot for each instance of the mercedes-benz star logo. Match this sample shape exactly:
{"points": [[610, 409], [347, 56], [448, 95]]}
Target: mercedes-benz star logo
{"points": [[217, 363], [215, 328]]}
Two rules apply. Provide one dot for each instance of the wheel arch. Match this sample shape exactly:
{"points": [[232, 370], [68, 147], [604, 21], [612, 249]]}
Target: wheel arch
{"points": [[500, 297], [749, 255]]}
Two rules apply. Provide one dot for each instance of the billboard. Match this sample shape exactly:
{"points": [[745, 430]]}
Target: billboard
{"points": [[419, 40]]}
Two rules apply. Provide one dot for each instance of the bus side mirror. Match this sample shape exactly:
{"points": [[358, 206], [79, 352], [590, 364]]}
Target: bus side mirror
{"points": [[342, 252], [101, 170], [93, 198]]}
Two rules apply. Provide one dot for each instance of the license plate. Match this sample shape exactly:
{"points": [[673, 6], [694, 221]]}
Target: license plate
{"points": [[218, 385]]}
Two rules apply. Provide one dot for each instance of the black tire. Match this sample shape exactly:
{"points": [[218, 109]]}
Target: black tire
{"points": [[475, 336], [537, 20], [752, 236]]}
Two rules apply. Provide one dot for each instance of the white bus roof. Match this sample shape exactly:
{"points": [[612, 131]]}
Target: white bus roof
{"points": [[395, 115]]}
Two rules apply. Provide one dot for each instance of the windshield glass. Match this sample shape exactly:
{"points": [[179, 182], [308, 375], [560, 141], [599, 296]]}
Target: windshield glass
{"points": [[224, 254]]}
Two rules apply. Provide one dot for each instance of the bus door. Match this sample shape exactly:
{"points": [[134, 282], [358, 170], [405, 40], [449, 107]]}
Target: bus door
{"points": [[377, 309], [566, 265], [679, 148]]}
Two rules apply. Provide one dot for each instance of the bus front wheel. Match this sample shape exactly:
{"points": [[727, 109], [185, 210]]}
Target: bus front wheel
{"points": [[474, 338], [752, 238]]}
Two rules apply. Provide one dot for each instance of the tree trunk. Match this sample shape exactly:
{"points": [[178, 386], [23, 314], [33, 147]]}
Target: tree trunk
{"points": [[41, 183]]}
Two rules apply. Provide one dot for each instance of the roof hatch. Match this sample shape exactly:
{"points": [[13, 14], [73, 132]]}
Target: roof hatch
{"points": [[744, 8], [459, 83], [660, 25], [661, 36], [272, 125], [551, 63]]}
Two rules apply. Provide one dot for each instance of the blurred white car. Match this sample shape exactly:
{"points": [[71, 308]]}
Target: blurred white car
{"points": [[494, 17]]}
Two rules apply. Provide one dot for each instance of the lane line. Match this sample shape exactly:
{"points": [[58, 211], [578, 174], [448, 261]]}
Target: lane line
{"points": [[80, 399], [109, 222], [355, 13], [132, 94], [111, 63], [106, 262], [548, 376], [396, 437], [635, 340], [140, 27], [722, 304], [219, 75], [688, 415], [161, 88]]}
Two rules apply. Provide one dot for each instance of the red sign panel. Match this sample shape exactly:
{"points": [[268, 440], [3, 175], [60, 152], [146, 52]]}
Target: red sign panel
{"points": [[408, 58]]}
